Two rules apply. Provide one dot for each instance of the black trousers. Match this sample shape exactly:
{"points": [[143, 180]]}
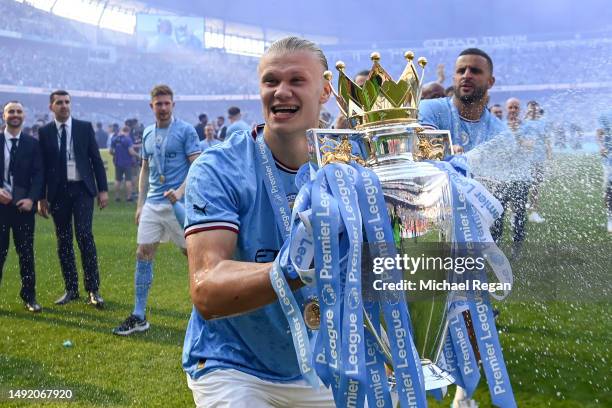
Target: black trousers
{"points": [[22, 224], [74, 203], [514, 193]]}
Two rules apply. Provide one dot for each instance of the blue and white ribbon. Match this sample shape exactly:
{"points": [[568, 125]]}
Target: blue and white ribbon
{"points": [[474, 211], [352, 387]]}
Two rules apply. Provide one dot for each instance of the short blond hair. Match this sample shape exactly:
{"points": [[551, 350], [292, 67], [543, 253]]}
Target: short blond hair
{"points": [[293, 44]]}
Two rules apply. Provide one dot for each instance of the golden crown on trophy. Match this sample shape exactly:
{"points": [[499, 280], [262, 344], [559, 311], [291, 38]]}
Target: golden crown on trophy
{"points": [[380, 100]]}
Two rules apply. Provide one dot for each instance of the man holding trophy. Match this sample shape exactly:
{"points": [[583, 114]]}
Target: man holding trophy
{"points": [[237, 349], [465, 114], [383, 185]]}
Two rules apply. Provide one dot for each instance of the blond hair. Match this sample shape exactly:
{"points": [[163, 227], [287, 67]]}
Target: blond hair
{"points": [[293, 44]]}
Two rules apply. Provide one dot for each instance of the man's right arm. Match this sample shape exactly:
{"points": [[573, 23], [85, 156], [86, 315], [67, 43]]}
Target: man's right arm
{"points": [[220, 286]]}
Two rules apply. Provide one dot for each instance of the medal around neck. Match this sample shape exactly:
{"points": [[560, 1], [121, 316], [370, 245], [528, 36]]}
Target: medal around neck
{"points": [[387, 140]]}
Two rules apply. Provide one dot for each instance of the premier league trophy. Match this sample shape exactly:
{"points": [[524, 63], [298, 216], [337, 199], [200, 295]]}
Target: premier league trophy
{"points": [[387, 139]]}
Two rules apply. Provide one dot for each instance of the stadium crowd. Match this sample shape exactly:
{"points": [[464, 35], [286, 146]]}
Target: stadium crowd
{"points": [[44, 65], [507, 146]]}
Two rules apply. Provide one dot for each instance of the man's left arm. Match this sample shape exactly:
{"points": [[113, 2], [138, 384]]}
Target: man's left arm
{"points": [[98, 167]]}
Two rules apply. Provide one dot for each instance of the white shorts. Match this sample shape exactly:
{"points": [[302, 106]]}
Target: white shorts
{"points": [[159, 224], [235, 389]]}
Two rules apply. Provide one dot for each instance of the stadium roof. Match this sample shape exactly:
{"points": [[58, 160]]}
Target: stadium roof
{"points": [[401, 20]]}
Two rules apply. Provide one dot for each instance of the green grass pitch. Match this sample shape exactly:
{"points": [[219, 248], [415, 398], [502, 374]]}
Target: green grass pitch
{"points": [[557, 351]]}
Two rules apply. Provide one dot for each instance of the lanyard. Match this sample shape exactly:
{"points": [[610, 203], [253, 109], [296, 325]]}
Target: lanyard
{"points": [[274, 187], [159, 155]]}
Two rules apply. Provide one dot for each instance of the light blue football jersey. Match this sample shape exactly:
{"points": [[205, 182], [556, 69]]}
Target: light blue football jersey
{"points": [[238, 126], [225, 190], [182, 142], [442, 114]]}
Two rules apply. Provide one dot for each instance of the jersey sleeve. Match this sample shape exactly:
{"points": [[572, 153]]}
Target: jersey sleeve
{"points": [[144, 155], [212, 194]]}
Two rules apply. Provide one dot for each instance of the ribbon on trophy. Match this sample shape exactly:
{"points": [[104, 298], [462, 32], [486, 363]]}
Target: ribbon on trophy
{"points": [[347, 357], [352, 385], [360, 337], [319, 233], [406, 362], [475, 210]]}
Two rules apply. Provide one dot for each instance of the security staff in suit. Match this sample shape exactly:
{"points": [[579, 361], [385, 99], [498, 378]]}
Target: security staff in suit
{"points": [[21, 185], [74, 175]]}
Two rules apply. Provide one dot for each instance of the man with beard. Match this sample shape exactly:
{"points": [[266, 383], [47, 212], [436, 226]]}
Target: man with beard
{"points": [[21, 185], [474, 130], [74, 176], [465, 114]]}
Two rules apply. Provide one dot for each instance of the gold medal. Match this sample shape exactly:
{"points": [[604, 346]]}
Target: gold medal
{"points": [[162, 179], [312, 315]]}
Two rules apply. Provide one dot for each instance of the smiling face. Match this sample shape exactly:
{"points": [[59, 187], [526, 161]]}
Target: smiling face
{"points": [[292, 90], [13, 115], [472, 78]]}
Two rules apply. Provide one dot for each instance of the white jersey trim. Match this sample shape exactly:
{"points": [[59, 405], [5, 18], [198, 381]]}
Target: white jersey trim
{"points": [[212, 225]]}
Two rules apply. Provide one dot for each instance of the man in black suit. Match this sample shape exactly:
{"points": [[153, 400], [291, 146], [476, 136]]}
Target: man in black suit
{"points": [[21, 185], [74, 175]]}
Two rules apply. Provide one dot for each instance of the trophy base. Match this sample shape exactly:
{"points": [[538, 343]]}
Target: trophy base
{"points": [[434, 376]]}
